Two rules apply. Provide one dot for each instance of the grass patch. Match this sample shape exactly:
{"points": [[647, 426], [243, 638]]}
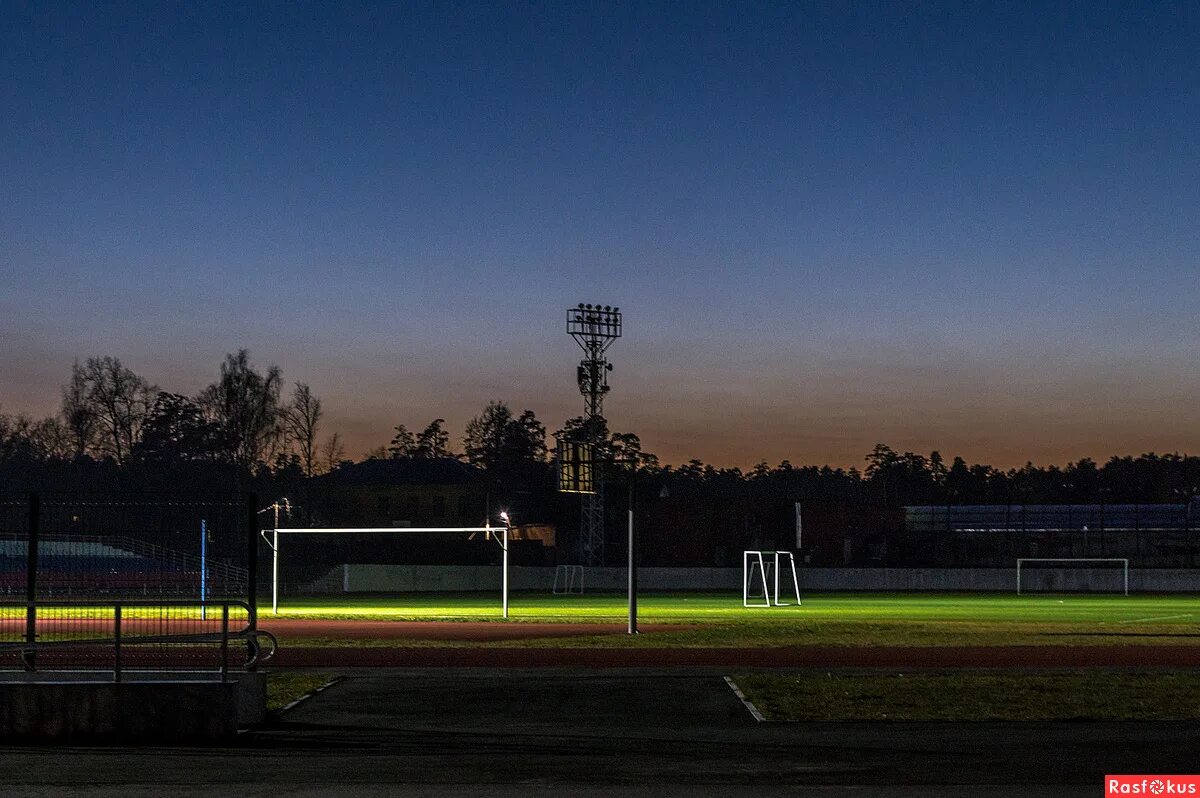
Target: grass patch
{"points": [[974, 696], [284, 687], [833, 619]]}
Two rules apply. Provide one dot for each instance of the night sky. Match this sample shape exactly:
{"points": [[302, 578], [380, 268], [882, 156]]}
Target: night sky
{"points": [[938, 226]]}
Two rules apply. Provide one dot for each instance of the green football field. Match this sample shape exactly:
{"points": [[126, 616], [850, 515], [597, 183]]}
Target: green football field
{"points": [[725, 607], [831, 618]]}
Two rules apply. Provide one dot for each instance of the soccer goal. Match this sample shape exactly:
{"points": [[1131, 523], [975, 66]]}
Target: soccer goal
{"points": [[763, 569], [1055, 579], [498, 533], [568, 580]]}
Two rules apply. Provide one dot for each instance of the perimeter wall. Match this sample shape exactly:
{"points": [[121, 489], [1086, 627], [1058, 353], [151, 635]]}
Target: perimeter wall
{"points": [[467, 578]]}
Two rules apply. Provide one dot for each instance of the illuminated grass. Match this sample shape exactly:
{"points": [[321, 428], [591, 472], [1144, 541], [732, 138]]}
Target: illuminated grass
{"points": [[284, 687], [974, 696], [719, 620]]}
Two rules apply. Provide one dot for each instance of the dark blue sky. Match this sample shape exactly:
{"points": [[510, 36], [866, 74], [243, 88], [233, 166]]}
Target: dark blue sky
{"points": [[952, 226]]}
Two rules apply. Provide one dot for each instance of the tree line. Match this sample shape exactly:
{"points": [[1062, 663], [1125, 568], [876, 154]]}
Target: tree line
{"points": [[250, 427]]}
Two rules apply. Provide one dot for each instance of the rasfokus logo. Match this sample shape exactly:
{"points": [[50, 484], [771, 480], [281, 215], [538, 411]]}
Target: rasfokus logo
{"points": [[1151, 785]]}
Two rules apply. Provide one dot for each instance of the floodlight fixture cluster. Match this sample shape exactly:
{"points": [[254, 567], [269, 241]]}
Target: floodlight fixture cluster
{"points": [[594, 327]]}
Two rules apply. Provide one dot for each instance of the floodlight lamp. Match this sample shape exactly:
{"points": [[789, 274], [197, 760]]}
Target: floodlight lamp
{"points": [[504, 516], [581, 306], [589, 306]]}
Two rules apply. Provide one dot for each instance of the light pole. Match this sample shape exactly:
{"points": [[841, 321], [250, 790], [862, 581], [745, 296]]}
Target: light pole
{"points": [[633, 625], [273, 543], [504, 558]]}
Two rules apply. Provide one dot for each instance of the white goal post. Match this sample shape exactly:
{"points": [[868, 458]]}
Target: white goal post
{"points": [[1124, 566], [571, 581], [757, 560], [499, 532]]}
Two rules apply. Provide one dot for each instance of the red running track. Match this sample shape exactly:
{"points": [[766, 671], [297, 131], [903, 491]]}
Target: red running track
{"points": [[294, 653]]}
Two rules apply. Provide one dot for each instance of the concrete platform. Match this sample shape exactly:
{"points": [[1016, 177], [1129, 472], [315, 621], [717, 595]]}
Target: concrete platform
{"points": [[158, 706], [614, 733]]}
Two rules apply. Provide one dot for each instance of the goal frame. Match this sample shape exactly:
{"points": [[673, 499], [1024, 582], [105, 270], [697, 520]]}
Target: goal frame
{"points": [[499, 532], [1123, 560], [752, 558], [572, 580]]}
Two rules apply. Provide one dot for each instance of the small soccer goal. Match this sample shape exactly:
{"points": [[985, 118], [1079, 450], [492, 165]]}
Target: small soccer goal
{"points": [[568, 580], [762, 570], [1072, 575]]}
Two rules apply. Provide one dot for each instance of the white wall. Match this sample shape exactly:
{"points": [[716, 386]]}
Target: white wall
{"points": [[467, 578]]}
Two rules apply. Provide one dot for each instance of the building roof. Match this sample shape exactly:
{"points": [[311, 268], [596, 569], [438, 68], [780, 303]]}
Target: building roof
{"points": [[433, 471]]}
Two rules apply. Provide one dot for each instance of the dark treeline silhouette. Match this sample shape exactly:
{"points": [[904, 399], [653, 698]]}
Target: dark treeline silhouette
{"points": [[250, 430]]}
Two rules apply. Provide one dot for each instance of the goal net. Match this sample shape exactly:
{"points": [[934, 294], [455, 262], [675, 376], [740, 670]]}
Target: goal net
{"points": [[1072, 575]]}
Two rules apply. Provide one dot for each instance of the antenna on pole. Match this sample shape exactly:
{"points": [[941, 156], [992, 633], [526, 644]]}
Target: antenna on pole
{"points": [[594, 328]]}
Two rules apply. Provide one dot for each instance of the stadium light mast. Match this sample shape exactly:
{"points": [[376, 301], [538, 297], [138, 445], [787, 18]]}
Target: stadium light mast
{"points": [[594, 328]]}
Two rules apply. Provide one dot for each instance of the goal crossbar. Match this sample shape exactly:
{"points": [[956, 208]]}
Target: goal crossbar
{"points": [[1123, 560], [500, 532]]}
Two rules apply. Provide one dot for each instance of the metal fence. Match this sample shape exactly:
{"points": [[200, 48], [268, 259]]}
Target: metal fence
{"points": [[1149, 535], [128, 580], [120, 636]]}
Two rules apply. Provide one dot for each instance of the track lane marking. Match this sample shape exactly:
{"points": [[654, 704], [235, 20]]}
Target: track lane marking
{"points": [[1147, 620], [758, 716]]}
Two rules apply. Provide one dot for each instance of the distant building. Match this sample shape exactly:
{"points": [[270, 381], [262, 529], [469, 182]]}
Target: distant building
{"points": [[399, 493]]}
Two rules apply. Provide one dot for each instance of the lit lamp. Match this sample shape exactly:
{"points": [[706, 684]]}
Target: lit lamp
{"points": [[504, 556]]}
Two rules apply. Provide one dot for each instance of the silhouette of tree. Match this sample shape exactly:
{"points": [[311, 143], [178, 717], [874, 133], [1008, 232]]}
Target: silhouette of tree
{"points": [[117, 401], [302, 420], [333, 453], [78, 413], [434, 441], [244, 404], [177, 431], [404, 443]]}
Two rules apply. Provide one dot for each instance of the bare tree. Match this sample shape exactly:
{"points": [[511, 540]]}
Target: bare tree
{"points": [[78, 414], [117, 399], [49, 439], [245, 406], [301, 420], [332, 452], [23, 438]]}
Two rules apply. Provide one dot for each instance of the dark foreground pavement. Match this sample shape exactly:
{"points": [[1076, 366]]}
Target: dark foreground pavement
{"points": [[601, 733]]}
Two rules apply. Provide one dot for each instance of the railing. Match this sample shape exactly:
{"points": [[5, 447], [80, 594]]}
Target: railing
{"points": [[159, 635], [217, 570]]}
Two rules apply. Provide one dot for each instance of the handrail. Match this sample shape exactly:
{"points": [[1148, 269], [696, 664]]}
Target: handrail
{"points": [[247, 633]]}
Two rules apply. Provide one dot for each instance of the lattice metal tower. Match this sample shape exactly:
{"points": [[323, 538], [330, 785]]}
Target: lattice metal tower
{"points": [[594, 328]]}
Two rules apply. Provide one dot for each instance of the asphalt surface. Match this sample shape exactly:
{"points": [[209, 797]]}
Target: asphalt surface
{"points": [[602, 732]]}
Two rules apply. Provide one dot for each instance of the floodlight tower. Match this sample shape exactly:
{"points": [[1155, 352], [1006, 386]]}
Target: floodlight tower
{"points": [[594, 328]]}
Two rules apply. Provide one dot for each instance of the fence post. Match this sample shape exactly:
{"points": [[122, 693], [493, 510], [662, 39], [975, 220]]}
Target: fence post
{"points": [[117, 643], [251, 573], [224, 642], [31, 568]]}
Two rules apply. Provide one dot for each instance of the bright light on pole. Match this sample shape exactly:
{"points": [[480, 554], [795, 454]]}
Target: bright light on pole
{"points": [[504, 556]]}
